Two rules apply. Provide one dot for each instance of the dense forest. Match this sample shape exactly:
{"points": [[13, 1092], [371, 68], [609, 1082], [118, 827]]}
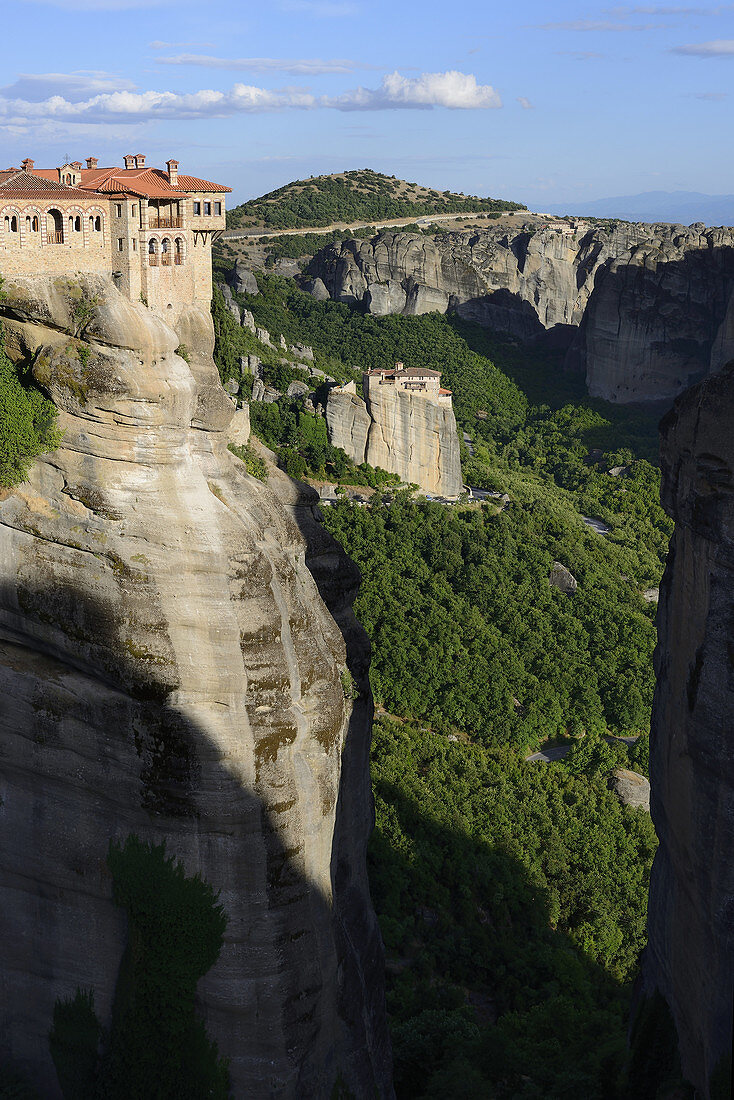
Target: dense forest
{"points": [[511, 895], [361, 195]]}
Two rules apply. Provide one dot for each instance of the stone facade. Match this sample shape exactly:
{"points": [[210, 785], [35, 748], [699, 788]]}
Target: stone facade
{"points": [[152, 230]]}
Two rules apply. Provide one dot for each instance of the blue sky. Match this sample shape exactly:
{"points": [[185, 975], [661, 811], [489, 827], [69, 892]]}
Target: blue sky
{"points": [[528, 101]]}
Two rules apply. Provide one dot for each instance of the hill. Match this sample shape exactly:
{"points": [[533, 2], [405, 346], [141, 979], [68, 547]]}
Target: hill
{"points": [[361, 195], [678, 207]]}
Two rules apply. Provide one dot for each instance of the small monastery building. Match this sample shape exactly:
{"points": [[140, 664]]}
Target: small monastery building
{"points": [[150, 229], [416, 380]]}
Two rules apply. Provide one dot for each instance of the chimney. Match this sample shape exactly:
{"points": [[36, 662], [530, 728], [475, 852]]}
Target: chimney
{"points": [[91, 162], [140, 160], [129, 160], [77, 164], [172, 166], [27, 164]]}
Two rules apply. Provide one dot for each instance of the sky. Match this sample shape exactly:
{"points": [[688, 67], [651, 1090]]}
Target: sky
{"points": [[527, 101]]}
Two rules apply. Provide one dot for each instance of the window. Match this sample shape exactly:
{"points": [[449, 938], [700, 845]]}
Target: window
{"points": [[135, 208], [35, 224], [197, 207], [120, 244], [135, 245], [118, 209], [152, 246], [207, 208], [98, 224], [217, 208], [77, 225]]}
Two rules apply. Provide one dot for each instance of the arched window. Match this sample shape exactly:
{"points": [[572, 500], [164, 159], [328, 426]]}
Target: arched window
{"points": [[54, 227], [98, 224], [78, 224], [35, 223], [166, 252], [13, 224], [7, 224], [179, 253], [67, 179], [153, 252]]}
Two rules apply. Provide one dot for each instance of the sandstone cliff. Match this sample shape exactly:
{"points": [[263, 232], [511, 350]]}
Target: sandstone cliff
{"points": [[404, 433], [642, 309], [168, 667], [690, 957]]}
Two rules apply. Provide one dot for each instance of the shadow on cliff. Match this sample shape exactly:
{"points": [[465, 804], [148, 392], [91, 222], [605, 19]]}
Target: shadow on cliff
{"points": [[486, 999], [95, 749]]}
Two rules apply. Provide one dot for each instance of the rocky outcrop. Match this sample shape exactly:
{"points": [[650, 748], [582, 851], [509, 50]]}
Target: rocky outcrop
{"points": [[348, 423], [643, 310], [404, 433], [167, 667], [631, 788], [690, 956]]}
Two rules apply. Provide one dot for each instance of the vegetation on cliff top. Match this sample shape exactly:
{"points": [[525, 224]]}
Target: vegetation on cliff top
{"points": [[27, 420], [361, 195]]}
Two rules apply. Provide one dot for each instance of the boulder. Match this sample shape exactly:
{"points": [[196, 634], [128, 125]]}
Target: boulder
{"points": [[631, 788], [242, 279], [562, 579], [298, 389]]}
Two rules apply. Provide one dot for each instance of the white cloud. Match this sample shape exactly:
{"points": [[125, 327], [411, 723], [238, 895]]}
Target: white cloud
{"points": [[524, 103], [656, 9], [181, 45], [73, 86], [103, 5], [454, 90], [321, 9], [595, 25], [720, 47], [295, 66], [450, 89]]}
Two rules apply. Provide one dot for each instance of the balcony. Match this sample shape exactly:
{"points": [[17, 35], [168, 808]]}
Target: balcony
{"points": [[178, 258], [152, 259], [55, 238], [165, 259], [164, 223]]}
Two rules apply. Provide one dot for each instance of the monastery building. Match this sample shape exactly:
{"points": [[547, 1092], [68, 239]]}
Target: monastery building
{"points": [[151, 230], [418, 380]]}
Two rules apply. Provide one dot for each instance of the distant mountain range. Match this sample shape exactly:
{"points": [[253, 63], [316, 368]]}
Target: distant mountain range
{"points": [[682, 207]]}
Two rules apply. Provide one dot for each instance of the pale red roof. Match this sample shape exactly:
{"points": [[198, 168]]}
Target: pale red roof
{"points": [[17, 183], [445, 391]]}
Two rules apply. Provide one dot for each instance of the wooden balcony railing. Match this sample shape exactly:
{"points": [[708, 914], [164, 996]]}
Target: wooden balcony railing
{"points": [[152, 259], [55, 238], [164, 223], [178, 258], [165, 259]]}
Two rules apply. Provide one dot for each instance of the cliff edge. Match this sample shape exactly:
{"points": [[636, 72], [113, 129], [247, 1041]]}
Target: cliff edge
{"points": [[690, 955], [167, 667], [643, 310]]}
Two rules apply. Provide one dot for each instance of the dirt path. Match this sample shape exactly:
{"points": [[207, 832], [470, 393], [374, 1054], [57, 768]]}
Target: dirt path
{"points": [[255, 234]]}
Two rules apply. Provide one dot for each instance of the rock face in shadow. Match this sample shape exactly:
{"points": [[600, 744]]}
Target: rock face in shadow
{"points": [[404, 433], [168, 667], [690, 956], [643, 310]]}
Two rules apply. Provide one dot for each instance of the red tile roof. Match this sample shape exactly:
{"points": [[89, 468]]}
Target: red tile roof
{"points": [[145, 182]]}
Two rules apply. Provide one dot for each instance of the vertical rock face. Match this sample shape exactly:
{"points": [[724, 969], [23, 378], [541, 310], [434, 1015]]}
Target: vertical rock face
{"points": [[167, 667], [690, 957], [404, 433], [644, 310]]}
